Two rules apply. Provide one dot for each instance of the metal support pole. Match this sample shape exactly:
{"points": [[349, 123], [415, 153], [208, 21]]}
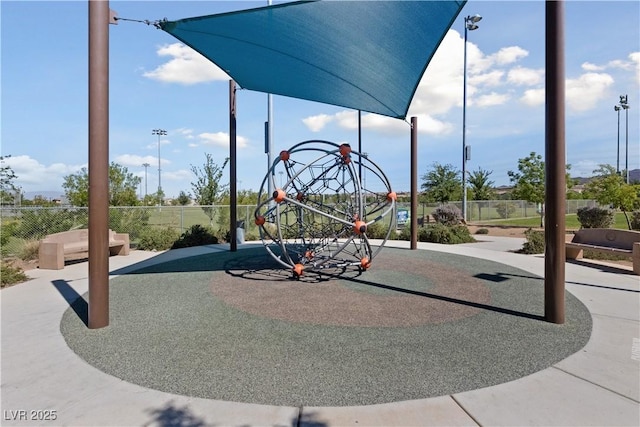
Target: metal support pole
{"points": [[626, 140], [360, 146], [464, 127], [414, 183], [555, 198], [618, 151], [98, 306], [233, 202]]}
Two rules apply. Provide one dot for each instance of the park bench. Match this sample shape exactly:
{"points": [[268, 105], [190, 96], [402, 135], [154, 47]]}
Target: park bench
{"points": [[606, 240], [54, 247]]}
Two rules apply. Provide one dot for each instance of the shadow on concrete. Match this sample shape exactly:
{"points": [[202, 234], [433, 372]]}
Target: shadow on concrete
{"points": [[74, 299], [171, 415]]}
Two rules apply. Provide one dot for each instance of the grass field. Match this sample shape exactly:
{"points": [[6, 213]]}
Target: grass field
{"points": [[534, 222]]}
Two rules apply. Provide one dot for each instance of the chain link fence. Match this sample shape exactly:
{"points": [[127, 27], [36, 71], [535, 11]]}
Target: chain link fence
{"points": [[27, 225], [492, 210]]}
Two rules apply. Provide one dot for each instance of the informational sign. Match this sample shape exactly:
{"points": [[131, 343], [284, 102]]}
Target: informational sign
{"points": [[402, 217]]}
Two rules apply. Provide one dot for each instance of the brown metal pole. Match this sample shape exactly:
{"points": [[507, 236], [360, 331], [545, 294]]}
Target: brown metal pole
{"points": [[414, 183], [233, 200], [555, 197], [98, 306]]}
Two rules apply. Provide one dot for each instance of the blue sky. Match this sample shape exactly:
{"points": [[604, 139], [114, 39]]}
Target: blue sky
{"points": [[157, 83]]}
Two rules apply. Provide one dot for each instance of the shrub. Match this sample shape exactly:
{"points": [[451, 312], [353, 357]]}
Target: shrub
{"points": [[447, 215], [29, 250], [10, 274], [197, 235], [482, 231], [595, 217], [37, 223], [534, 243], [132, 221], [505, 210], [157, 239], [440, 233], [635, 220], [377, 230], [7, 230]]}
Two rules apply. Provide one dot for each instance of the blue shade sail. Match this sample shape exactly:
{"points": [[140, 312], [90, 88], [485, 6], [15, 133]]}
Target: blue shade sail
{"points": [[364, 55]]}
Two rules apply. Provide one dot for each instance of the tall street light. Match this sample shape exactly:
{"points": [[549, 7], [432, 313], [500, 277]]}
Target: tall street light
{"points": [[624, 103], [470, 24], [159, 132], [617, 109], [145, 165]]}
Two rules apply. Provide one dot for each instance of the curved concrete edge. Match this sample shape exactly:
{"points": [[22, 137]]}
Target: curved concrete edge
{"points": [[600, 385]]}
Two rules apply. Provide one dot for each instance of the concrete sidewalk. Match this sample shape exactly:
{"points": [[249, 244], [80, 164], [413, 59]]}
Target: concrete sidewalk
{"points": [[45, 383]]}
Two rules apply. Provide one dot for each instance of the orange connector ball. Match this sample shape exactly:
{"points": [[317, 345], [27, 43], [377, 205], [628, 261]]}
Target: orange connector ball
{"points": [[300, 196], [260, 220], [284, 155], [279, 195], [365, 263], [308, 254], [298, 269], [392, 196], [345, 150], [360, 227]]}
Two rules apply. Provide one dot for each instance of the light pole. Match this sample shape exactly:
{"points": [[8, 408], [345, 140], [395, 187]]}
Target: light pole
{"points": [[624, 104], [145, 165], [159, 132], [617, 109], [470, 24]]}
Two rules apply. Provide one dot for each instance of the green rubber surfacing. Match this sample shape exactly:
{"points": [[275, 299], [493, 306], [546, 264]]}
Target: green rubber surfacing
{"points": [[235, 327]]}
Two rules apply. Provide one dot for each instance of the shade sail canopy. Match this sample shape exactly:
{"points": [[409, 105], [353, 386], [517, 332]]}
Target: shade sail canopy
{"points": [[365, 55]]}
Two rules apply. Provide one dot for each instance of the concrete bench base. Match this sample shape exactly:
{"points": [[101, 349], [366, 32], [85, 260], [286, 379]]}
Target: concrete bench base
{"points": [[607, 241], [54, 247]]}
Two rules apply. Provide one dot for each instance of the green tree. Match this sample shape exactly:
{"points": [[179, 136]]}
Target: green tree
{"points": [[7, 178], [609, 188], [481, 187], [122, 187], [529, 181], [207, 189], [183, 199], [442, 183]]}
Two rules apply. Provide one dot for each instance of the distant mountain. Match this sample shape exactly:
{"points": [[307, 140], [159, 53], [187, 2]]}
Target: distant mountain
{"points": [[634, 176]]}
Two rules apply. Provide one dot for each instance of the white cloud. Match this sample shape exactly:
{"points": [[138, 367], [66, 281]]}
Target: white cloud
{"points": [[179, 175], [492, 98], [588, 66], [221, 139], [132, 160], [508, 55], [34, 176], [521, 76], [492, 78], [635, 59], [317, 123], [533, 97], [186, 66], [587, 90]]}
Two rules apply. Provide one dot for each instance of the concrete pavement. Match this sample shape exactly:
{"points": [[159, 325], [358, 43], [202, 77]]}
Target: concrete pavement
{"points": [[45, 383]]}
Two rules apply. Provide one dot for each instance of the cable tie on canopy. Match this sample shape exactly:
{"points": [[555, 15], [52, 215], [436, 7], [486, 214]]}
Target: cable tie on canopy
{"points": [[156, 23]]}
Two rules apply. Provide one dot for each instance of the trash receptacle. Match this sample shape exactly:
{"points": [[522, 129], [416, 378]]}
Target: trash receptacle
{"points": [[240, 232]]}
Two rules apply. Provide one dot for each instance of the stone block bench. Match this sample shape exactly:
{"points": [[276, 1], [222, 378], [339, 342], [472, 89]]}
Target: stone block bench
{"points": [[606, 240], [54, 247]]}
